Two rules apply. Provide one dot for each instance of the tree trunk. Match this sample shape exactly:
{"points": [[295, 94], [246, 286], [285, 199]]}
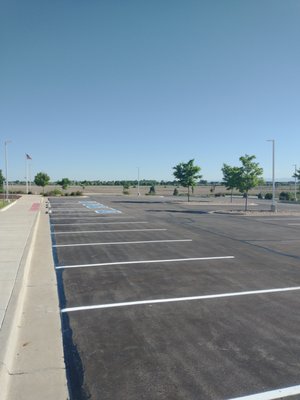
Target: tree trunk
{"points": [[231, 195], [188, 193], [246, 202]]}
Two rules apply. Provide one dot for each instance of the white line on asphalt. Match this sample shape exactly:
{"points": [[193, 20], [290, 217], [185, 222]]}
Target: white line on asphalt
{"points": [[294, 224], [144, 262], [102, 223], [92, 216], [179, 299], [113, 243], [278, 219], [108, 231], [273, 394], [83, 209], [74, 203]]}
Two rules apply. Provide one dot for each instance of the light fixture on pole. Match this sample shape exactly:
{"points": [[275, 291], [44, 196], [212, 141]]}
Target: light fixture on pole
{"points": [[295, 165], [273, 206]]}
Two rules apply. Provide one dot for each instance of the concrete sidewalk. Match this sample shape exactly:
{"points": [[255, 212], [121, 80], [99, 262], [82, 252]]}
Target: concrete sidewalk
{"points": [[31, 355]]}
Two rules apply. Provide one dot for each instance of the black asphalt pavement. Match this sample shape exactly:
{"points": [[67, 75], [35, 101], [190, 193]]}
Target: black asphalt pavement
{"points": [[137, 251]]}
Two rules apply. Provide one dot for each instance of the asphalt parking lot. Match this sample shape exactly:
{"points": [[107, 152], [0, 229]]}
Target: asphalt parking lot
{"points": [[165, 301]]}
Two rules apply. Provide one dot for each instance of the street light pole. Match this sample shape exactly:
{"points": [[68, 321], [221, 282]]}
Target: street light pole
{"points": [[273, 206], [139, 181], [6, 173], [295, 165]]}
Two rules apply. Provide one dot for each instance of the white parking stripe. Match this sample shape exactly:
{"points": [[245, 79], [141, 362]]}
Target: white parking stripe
{"points": [[82, 209], [279, 219], [295, 224], [273, 394], [179, 299], [109, 231], [92, 216], [114, 243], [102, 223], [144, 262], [74, 203]]}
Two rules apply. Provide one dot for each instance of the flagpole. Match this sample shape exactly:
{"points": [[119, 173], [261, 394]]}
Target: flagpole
{"points": [[30, 177], [26, 158]]}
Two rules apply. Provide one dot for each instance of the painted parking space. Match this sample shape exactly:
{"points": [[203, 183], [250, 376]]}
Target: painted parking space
{"points": [[195, 345], [81, 207], [199, 314], [99, 208]]}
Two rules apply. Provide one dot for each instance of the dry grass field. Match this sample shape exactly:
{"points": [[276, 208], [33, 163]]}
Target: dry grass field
{"points": [[207, 190]]}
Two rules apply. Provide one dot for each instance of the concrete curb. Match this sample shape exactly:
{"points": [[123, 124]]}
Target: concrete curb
{"points": [[32, 365], [15, 309], [8, 206]]}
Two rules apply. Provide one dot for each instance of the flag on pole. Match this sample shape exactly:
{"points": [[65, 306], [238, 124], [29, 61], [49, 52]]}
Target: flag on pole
{"points": [[28, 157]]}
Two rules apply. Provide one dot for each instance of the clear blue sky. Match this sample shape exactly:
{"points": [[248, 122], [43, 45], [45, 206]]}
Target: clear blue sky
{"points": [[93, 89]]}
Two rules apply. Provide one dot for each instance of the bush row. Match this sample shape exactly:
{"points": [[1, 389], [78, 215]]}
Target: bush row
{"points": [[57, 192], [288, 196]]}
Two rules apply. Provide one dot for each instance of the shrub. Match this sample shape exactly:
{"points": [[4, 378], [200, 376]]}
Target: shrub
{"points": [[77, 193], [286, 196], [55, 192], [175, 193], [17, 192], [268, 196], [152, 190], [219, 194], [260, 196]]}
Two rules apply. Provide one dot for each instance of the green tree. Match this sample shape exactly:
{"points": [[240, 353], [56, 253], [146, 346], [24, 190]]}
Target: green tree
{"points": [[249, 176], [2, 179], [297, 174], [187, 174], [64, 183], [230, 177], [41, 179]]}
